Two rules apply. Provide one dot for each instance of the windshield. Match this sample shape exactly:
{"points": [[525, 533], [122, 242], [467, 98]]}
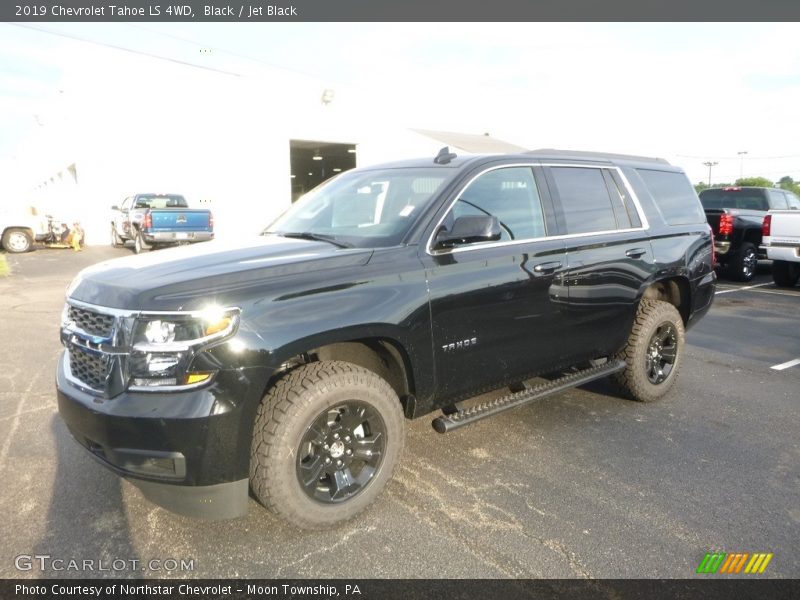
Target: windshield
{"points": [[744, 199], [374, 208], [160, 201]]}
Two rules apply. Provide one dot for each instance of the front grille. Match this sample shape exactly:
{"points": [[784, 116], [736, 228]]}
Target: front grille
{"points": [[91, 322], [91, 369]]}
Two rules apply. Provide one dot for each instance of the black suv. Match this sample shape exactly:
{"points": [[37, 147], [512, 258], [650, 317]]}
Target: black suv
{"points": [[286, 364], [736, 215]]}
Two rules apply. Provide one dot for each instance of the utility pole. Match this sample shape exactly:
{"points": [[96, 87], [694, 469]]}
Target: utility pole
{"points": [[741, 163], [710, 164]]}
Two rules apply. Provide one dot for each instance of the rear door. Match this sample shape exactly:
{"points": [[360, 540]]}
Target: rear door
{"points": [[609, 256], [496, 307]]}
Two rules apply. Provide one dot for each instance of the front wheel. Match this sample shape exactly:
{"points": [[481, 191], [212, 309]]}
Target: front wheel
{"points": [[326, 440], [653, 353], [17, 241], [116, 241], [785, 273]]}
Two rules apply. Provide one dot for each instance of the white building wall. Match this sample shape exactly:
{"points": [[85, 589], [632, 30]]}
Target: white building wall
{"points": [[131, 124]]}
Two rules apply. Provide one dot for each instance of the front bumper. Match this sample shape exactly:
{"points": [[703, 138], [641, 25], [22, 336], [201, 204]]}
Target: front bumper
{"points": [[188, 451]]}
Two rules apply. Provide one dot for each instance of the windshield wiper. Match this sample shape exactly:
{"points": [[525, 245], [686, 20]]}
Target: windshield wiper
{"points": [[317, 237]]}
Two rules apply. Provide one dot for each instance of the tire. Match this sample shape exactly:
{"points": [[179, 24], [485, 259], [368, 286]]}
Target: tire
{"points": [[17, 241], [743, 266], [116, 241], [657, 335], [139, 245], [315, 416], [785, 273]]}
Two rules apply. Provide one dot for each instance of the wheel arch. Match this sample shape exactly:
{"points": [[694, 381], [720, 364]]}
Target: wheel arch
{"points": [[384, 356], [674, 290]]}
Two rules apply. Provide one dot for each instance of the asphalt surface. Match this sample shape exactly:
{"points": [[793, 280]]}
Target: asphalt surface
{"points": [[580, 485]]}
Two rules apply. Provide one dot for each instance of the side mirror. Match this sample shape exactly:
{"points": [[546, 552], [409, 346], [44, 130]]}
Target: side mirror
{"points": [[470, 229]]}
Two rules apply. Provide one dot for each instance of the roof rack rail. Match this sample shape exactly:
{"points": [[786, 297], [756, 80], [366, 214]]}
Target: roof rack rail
{"points": [[596, 155]]}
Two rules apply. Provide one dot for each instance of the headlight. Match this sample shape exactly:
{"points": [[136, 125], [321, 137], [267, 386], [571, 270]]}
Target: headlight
{"points": [[164, 345]]}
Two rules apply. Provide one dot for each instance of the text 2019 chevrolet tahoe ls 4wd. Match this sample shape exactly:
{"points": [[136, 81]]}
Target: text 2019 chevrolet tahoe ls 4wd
{"points": [[286, 364]]}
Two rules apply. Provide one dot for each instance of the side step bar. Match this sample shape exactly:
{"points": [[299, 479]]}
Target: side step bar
{"points": [[447, 423]]}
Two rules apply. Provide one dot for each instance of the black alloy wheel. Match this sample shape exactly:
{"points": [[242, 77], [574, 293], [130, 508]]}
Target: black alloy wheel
{"points": [[662, 350], [341, 451]]}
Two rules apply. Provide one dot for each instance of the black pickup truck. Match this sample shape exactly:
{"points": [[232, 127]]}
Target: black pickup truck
{"points": [[286, 364], [736, 215]]}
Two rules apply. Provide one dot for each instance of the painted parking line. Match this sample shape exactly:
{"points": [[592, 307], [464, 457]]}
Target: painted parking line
{"points": [[747, 287], [786, 365]]}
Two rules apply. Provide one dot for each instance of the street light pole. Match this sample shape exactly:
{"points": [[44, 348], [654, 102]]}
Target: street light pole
{"points": [[710, 164], [741, 163]]}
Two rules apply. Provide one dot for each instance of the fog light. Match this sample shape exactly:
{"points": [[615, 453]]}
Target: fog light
{"points": [[196, 378]]}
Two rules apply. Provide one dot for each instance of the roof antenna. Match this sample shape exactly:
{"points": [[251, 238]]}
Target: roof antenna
{"points": [[445, 156]]}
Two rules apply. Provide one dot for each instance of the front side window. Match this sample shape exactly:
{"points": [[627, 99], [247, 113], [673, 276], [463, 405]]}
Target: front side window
{"points": [[511, 195], [585, 200], [370, 208]]}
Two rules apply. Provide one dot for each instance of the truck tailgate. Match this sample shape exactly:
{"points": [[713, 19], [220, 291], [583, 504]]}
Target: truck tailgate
{"points": [[785, 225], [176, 219]]}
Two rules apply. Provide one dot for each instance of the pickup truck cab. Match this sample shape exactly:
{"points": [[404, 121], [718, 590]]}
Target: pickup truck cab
{"points": [[736, 215], [154, 220], [286, 363], [781, 231]]}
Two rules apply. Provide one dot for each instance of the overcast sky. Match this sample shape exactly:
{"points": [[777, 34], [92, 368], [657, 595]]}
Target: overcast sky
{"points": [[686, 92]]}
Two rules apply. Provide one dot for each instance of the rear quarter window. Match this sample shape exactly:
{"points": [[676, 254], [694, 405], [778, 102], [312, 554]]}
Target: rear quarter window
{"points": [[674, 196]]}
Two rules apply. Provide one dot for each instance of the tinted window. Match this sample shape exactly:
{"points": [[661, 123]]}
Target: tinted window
{"points": [[734, 198], [674, 196], [777, 200], [510, 195], [584, 199]]}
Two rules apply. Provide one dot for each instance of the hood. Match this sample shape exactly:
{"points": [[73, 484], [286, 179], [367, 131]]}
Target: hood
{"points": [[185, 278]]}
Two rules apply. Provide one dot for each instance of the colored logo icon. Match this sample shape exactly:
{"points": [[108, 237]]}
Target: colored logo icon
{"points": [[741, 562]]}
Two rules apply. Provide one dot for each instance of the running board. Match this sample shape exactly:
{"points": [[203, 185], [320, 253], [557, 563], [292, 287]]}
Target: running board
{"points": [[447, 423]]}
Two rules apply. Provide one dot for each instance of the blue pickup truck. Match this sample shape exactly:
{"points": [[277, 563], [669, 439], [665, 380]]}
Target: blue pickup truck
{"points": [[156, 220]]}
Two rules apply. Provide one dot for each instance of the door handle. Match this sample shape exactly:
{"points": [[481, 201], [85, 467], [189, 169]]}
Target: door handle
{"points": [[547, 267], [635, 252]]}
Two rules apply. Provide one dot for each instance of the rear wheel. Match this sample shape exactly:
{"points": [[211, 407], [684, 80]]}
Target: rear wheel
{"points": [[138, 243], [744, 264], [17, 241], [653, 353], [326, 440], [785, 273]]}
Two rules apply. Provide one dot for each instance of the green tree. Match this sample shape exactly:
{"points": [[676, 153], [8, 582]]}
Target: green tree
{"points": [[754, 182], [787, 183]]}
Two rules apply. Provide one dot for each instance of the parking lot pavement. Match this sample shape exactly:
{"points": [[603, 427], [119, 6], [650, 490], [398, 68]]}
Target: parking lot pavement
{"points": [[581, 485]]}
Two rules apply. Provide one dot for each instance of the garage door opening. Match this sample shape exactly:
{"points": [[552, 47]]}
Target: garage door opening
{"points": [[314, 162]]}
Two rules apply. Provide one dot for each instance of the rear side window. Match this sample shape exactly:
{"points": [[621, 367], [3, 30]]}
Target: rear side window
{"points": [[794, 202], [585, 200], [674, 196]]}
